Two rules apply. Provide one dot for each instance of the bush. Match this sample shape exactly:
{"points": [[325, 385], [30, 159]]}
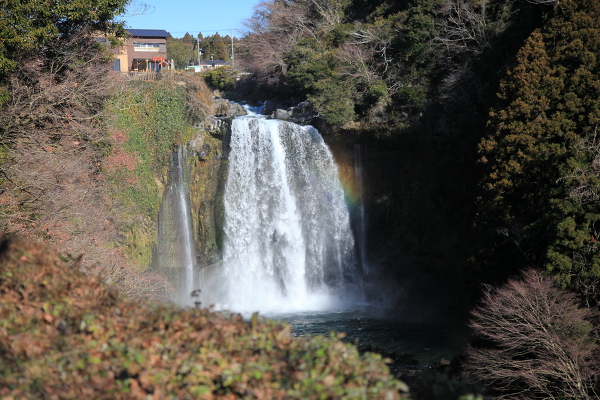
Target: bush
{"points": [[334, 102], [222, 78], [541, 344], [66, 335]]}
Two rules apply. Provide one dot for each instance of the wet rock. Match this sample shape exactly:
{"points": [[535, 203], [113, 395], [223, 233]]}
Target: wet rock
{"points": [[215, 126], [269, 107], [281, 114], [236, 109], [228, 109], [202, 154], [303, 113]]}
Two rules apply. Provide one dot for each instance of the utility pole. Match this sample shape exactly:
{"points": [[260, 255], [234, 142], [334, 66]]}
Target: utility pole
{"points": [[199, 50], [232, 55]]}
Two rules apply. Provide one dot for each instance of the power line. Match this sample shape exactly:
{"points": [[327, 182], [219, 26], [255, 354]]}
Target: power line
{"points": [[214, 30]]}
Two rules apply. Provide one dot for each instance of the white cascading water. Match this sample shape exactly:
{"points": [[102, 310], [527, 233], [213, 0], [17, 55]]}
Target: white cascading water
{"points": [[183, 207], [288, 244], [174, 253]]}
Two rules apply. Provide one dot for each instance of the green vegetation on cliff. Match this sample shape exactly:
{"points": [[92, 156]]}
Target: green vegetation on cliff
{"points": [[221, 78], [56, 77], [84, 150], [146, 120]]}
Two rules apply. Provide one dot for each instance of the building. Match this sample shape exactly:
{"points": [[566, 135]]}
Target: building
{"points": [[145, 50], [206, 65]]}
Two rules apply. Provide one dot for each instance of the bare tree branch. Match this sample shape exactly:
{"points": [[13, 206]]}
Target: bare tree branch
{"points": [[273, 30], [583, 180], [138, 8], [463, 30], [542, 344]]}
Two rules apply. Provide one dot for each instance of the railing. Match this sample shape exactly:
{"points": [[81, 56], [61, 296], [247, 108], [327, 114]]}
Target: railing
{"points": [[141, 76]]}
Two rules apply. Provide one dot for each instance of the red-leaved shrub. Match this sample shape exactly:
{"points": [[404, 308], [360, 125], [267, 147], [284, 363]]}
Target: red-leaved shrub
{"points": [[535, 342]]}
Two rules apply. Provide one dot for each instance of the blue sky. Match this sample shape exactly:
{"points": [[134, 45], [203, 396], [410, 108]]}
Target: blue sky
{"points": [[180, 16]]}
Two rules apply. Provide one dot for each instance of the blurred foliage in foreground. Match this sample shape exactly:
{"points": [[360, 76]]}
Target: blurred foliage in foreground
{"points": [[65, 334]]}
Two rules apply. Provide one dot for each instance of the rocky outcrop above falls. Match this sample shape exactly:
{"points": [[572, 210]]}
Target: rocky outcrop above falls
{"points": [[228, 109], [208, 173], [218, 123], [302, 114]]}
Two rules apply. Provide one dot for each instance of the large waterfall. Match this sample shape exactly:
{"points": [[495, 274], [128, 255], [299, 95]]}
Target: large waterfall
{"points": [[288, 243]]}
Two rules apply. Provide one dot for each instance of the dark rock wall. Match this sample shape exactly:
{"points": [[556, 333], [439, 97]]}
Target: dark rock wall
{"points": [[208, 174]]}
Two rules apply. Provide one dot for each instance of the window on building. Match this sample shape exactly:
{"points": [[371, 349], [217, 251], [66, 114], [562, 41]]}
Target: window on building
{"points": [[138, 46]]}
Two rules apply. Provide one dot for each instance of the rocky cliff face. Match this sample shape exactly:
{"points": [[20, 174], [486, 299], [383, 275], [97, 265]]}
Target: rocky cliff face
{"points": [[208, 174]]}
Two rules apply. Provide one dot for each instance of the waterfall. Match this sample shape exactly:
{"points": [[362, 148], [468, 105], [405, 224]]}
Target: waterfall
{"points": [[288, 243], [175, 251], [359, 153]]}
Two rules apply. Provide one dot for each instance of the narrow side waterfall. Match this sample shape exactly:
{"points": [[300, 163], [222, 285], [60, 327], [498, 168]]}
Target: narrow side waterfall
{"points": [[288, 243], [361, 232], [174, 253]]}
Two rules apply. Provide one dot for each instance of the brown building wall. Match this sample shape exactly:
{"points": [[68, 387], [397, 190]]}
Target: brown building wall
{"points": [[140, 59]]}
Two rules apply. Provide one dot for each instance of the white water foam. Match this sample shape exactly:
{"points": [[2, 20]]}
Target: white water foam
{"points": [[288, 244], [174, 253]]}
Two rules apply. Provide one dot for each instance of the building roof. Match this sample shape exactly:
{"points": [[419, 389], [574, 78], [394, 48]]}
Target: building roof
{"points": [[216, 62], [155, 33]]}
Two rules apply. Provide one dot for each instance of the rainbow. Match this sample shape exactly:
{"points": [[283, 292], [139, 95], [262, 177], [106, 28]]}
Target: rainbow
{"points": [[352, 194]]}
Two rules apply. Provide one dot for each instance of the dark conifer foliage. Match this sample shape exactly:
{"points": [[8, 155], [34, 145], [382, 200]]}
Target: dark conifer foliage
{"points": [[541, 157], [30, 27]]}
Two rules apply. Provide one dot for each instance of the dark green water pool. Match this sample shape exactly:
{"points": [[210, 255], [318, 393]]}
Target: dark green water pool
{"points": [[409, 344]]}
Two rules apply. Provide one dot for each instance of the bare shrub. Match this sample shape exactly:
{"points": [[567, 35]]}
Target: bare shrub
{"points": [[582, 180], [55, 143], [330, 12], [62, 92], [57, 195], [140, 286], [463, 28], [367, 57], [541, 344], [272, 32]]}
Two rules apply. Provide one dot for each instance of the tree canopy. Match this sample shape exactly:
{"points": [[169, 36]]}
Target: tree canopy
{"points": [[543, 176], [28, 27], [188, 49]]}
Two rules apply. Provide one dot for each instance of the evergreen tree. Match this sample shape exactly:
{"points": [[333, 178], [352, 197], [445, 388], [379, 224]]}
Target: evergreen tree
{"points": [[543, 175], [215, 47], [182, 51]]}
